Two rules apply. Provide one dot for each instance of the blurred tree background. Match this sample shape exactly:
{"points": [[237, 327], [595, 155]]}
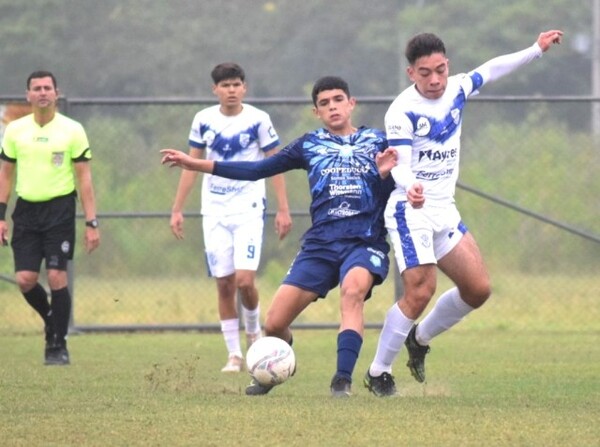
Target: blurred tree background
{"points": [[155, 48]]}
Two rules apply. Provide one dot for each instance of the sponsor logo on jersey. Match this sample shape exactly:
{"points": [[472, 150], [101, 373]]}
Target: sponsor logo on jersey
{"points": [[342, 190], [424, 175], [343, 210], [393, 128], [376, 252], [346, 170], [224, 189], [423, 127], [438, 155]]}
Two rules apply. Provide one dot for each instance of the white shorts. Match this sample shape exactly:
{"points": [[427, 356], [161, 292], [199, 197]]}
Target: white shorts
{"points": [[232, 243], [422, 236]]}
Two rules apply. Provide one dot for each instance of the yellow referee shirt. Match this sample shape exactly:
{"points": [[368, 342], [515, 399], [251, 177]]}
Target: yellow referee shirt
{"points": [[44, 155]]}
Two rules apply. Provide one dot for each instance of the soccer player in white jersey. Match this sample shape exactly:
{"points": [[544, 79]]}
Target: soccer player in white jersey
{"points": [[233, 210], [423, 127]]}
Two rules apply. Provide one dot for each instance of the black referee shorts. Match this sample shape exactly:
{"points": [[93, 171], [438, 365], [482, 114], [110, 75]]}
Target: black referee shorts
{"points": [[44, 230]]}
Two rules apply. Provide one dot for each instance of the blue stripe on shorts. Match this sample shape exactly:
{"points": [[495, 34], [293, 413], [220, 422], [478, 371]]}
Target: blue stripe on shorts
{"points": [[408, 247]]}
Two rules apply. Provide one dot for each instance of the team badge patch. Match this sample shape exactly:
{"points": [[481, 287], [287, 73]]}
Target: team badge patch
{"points": [[376, 261], [58, 158], [244, 140]]}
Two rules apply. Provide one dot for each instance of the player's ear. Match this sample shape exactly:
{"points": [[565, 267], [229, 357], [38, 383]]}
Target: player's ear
{"points": [[352, 101]]}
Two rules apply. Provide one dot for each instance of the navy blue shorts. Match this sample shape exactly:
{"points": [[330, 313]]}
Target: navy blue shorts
{"points": [[43, 230], [321, 267]]}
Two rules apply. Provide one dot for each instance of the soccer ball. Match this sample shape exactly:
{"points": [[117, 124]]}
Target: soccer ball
{"points": [[270, 360]]}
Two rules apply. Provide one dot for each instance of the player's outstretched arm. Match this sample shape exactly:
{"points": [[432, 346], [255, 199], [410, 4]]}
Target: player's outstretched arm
{"points": [[548, 38], [174, 157], [500, 66]]}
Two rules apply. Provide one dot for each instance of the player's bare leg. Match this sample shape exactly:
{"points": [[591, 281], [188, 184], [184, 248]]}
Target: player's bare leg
{"points": [[465, 267], [288, 303]]}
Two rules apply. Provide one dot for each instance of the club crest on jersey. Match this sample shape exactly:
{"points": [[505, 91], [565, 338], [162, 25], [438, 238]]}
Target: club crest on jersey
{"points": [[209, 137], [455, 114], [58, 158], [244, 140], [423, 127]]}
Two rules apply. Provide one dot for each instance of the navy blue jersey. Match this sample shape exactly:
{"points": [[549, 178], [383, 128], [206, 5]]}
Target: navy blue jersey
{"points": [[348, 196]]}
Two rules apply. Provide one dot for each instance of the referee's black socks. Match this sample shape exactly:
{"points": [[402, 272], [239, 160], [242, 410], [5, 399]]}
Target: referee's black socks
{"points": [[61, 313]]}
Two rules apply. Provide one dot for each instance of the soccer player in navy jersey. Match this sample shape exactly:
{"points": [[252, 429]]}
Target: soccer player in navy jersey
{"points": [[423, 127], [346, 243]]}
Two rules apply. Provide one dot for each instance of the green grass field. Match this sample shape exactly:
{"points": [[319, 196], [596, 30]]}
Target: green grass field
{"points": [[491, 387]]}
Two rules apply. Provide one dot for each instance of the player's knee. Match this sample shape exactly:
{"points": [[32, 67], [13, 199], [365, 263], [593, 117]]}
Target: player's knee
{"points": [[352, 295], [477, 295], [26, 281], [57, 279], [244, 283], [273, 329]]}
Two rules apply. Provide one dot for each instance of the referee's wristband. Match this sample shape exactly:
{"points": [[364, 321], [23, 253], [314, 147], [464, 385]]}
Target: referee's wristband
{"points": [[2, 211]]}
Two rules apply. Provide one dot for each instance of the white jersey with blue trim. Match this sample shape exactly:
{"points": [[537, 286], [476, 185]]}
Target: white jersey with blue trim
{"points": [[243, 137], [432, 129]]}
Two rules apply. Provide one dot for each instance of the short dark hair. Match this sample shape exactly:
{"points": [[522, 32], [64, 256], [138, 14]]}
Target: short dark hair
{"points": [[329, 83], [227, 70], [424, 44], [41, 74]]}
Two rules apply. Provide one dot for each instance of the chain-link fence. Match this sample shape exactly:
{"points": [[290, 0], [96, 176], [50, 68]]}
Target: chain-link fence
{"points": [[529, 192]]}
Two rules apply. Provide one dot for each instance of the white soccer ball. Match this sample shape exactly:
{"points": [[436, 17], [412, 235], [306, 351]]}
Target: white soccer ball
{"points": [[270, 360]]}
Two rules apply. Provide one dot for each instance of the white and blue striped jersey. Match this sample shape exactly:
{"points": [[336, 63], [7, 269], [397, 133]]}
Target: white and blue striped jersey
{"points": [[243, 137], [432, 129]]}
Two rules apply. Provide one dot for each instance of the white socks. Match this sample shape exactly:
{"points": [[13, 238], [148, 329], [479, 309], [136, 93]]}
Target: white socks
{"points": [[231, 334], [448, 310], [395, 329], [251, 320]]}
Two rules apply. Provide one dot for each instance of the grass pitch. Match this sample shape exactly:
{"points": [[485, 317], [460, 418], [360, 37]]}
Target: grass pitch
{"points": [[490, 387]]}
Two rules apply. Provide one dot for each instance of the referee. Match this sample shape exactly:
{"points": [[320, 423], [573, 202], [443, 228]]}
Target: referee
{"points": [[48, 152]]}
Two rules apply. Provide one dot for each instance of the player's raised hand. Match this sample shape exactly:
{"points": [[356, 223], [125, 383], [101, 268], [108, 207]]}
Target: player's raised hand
{"points": [[386, 161], [547, 39]]}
